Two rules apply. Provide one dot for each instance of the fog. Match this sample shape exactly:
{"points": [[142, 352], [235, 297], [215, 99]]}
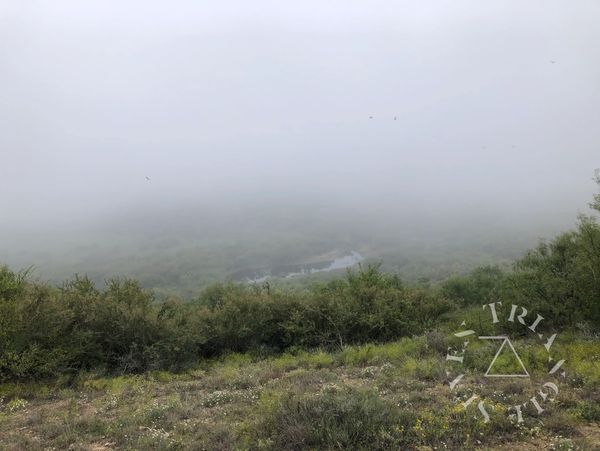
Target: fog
{"points": [[267, 121]]}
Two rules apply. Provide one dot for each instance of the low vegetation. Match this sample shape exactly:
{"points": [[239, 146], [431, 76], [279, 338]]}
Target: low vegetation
{"points": [[388, 396], [358, 362]]}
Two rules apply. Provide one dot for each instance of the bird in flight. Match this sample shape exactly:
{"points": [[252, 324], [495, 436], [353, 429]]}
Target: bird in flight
{"points": [[395, 118], [370, 117], [147, 178], [552, 61]]}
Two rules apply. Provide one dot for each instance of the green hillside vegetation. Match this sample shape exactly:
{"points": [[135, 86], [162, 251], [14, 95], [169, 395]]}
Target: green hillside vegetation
{"points": [[386, 396], [356, 362]]}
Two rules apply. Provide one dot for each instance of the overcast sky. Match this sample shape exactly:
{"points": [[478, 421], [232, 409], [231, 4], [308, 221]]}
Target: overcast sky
{"points": [[497, 104]]}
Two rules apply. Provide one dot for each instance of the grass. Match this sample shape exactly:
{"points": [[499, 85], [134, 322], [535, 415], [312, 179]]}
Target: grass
{"points": [[377, 396]]}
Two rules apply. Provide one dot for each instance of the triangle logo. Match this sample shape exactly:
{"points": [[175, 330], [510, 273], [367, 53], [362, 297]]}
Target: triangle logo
{"points": [[506, 362]]}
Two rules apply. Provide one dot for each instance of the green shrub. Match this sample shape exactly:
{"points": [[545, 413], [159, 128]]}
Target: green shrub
{"points": [[589, 410], [336, 418], [480, 287]]}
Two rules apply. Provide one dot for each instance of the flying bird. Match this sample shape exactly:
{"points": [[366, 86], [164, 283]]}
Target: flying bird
{"points": [[147, 178], [395, 118], [370, 117], [552, 61]]}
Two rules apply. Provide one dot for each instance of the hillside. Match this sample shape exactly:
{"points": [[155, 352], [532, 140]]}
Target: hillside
{"points": [[391, 396]]}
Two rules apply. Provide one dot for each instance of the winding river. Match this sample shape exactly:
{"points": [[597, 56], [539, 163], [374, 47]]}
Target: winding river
{"points": [[291, 271]]}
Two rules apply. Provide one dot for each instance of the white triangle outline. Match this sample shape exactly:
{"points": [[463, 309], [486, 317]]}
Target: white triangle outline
{"points": [[505, 340]]}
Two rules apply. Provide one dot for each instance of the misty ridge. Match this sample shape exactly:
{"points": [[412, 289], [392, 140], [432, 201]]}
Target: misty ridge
{"points": [[180, 251], [201, 143]]}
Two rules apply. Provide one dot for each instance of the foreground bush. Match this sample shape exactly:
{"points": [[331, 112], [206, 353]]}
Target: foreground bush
{"points": [[336, 418]]}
